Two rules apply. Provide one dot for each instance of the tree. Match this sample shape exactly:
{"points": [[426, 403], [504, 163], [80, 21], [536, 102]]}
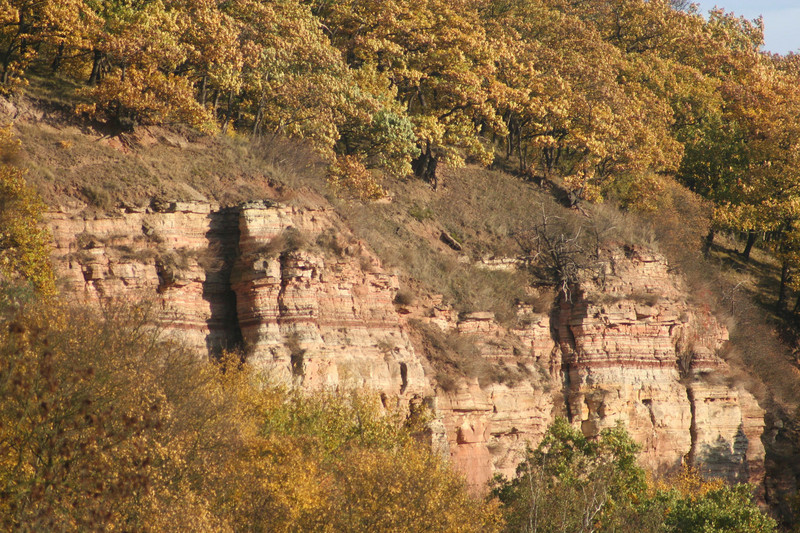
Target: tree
{"points": [[24, 243], [570, 483], [690, 503], [576, 101], [438, 58], [106, 424], [136, 52], [26, 25]]}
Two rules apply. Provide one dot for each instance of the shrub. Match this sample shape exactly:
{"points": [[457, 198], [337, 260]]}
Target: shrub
{"points": [[571, 483], [347, 176], [24, 244], [718, 507], [104, 424], [404, 297]]}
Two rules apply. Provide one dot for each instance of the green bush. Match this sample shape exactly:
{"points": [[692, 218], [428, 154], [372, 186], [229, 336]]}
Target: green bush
{"points": [[571, 483]]}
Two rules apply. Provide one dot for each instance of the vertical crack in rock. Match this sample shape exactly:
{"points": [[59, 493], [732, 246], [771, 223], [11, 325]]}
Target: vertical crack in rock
{"points": [[692, 455], [556, 318], [284, 284], [648, 403], [223, 251], [403, 377]]}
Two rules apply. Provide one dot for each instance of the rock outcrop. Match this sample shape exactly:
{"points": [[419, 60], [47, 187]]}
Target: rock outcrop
{"points": [[176, 255], [636, 351], [312, 306], [315, 307]]}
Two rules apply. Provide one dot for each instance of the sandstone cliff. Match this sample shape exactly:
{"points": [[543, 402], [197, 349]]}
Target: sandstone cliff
{"points": [[313, 306]]}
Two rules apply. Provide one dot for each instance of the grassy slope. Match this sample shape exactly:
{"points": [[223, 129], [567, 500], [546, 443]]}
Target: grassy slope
{"points": [[490, 212]]}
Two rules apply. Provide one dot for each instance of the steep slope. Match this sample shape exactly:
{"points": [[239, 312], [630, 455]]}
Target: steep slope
{"points": [[312, 305]]}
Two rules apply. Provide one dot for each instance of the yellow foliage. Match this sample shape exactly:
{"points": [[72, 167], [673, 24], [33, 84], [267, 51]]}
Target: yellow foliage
{"points": [[105, 425], [150, 96], [348, 176], [690, 484], [24, 244]]}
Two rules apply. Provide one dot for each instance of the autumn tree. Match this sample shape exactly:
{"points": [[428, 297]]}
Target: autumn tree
{"points": [[437, 57], [688, 502], [576, 102], [136, 52], [27, 25], [24, 243], [105, 423]]}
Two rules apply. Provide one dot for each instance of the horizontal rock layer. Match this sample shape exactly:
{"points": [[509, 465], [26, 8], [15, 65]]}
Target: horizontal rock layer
{"points": [[313, 306]]}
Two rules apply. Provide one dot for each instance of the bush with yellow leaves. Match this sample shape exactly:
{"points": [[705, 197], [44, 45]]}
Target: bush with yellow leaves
{"points": [[24, 244], [104, 424], [348, 176]]}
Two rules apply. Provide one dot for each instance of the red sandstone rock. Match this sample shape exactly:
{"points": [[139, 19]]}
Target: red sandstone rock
{"points": [[318, 311]]}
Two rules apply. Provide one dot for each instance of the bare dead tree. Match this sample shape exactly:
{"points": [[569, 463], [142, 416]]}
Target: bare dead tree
{"points": [[558, 253]]}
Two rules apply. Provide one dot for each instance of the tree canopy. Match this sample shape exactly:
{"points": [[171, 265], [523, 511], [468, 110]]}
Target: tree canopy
{"points": [[602, 97], [571, 483]]}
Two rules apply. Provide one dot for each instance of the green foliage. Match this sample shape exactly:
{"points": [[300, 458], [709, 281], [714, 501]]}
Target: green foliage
{"points": [[722, 509], [571, 483]]}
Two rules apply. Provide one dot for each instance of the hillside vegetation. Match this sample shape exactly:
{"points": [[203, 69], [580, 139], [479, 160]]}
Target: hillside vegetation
{"points": [[608, 97], [607, 100], [533, 121]]}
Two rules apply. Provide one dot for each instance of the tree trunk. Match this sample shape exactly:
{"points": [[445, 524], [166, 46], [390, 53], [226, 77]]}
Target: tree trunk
{"points": [[751, 240], [259, 117], [784, 285], [94, 77], [547, 155], [708, 242], [215, 112], [228, 113], [425, 166], [59, 57]]}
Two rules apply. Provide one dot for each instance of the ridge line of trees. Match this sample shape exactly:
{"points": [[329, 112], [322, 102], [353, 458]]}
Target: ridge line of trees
{"points": [[612, 97]]}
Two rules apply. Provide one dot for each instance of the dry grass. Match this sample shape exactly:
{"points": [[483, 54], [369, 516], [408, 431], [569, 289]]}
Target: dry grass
{"points": [[104, 172], [484, 210], [331, 242], [455, 357], [541, 299]]}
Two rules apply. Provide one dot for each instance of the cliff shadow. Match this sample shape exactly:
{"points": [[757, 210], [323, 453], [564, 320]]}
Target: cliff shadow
{"points": [[725, 459], [223, 250]]}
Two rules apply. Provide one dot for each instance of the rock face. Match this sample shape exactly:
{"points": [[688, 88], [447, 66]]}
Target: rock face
{"points": [[313, 307], [176, 255], [635, 351]]}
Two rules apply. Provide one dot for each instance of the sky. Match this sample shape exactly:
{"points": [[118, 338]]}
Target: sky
{"points": [[781, 20]]}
